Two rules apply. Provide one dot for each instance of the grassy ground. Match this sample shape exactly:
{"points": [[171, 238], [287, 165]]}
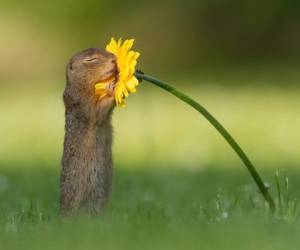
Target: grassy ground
{"points": [[177, 184], [209, 209]]}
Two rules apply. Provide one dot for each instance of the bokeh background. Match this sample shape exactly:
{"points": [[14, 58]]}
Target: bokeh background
{"points": [[240, 59]]}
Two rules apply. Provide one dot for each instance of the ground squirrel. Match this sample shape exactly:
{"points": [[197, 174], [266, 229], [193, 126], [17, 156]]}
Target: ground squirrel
{"points": [[87, 170]]}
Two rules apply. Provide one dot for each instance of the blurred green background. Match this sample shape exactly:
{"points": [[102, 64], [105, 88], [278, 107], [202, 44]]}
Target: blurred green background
{"points": [[240, 59]]}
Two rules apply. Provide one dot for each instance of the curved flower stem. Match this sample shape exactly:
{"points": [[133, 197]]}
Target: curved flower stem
{"points": [[235, 146]]}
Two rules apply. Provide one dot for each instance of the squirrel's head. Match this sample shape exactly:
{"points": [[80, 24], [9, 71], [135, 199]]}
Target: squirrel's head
{"points": [[84, 70], [91, 66]]}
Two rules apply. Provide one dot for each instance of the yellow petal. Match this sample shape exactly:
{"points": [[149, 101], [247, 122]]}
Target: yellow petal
{"points": [[100, 86], [102, 95]]}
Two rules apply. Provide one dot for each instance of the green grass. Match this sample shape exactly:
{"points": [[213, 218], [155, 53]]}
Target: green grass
{"points": [[150, 209], [177, 184]]}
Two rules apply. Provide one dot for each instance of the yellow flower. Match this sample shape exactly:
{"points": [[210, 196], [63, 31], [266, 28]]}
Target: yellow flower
{"points": [[126, 82]]}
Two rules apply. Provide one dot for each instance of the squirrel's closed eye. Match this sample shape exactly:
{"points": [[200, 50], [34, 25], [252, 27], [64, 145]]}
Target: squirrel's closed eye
{"points": [[91, 60]]}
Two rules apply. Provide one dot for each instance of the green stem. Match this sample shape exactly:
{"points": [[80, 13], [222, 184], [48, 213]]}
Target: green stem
{"points": [[235, 146]]}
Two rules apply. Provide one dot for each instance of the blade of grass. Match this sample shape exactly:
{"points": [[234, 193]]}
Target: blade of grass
{"points": [[286, 184], [277, 181]]}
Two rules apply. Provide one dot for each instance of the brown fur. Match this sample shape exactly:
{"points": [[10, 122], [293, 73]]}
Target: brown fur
{"points": [[87, 169]]}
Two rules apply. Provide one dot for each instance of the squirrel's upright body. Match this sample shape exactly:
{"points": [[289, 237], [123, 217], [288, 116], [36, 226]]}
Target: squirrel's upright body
{"points": [[87, 167]]}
